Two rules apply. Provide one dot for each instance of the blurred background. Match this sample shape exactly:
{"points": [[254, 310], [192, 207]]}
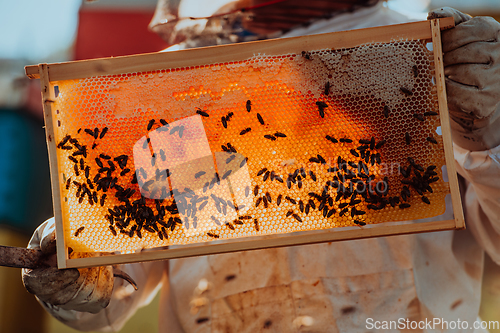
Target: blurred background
{"points": [[32, 32]]}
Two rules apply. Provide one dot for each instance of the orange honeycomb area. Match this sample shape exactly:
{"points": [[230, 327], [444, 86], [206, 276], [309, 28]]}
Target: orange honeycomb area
{"points": [[274, 144]]}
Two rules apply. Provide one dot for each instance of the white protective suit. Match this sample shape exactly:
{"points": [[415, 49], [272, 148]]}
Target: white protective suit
{"points": [[331, 287]]}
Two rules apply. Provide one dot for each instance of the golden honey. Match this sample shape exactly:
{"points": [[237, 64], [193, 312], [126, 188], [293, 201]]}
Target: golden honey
{"points": [[269, 145]]}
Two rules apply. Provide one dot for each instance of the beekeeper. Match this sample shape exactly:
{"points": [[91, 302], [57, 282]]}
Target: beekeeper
{"points": [[347, 286]]}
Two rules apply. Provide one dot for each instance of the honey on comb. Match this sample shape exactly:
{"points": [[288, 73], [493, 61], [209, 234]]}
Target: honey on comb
{"points": [[247, 148]]}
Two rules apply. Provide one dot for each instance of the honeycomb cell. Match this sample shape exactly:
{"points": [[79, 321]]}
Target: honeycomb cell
{"points": [[273, 144]]}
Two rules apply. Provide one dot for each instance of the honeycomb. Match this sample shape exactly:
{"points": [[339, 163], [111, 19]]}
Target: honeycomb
{"points": [[270, 145]]}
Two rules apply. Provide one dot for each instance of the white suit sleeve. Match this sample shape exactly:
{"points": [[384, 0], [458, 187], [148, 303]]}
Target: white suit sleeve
{"points": [[124, 302], [481, 202]]}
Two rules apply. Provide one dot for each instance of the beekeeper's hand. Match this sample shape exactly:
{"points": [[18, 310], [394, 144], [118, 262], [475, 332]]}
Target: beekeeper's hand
{"points": [[86, 290], [472, 70]]}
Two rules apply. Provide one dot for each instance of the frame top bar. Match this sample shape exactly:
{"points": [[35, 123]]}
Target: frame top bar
{"points": [[235, 52]]}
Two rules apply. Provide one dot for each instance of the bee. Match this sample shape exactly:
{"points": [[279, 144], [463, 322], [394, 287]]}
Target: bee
{"points": [[327, 88], [280, 135], [358, 222], [301, 206], [380, 144], [430, 113], [291, 200], [332, 139], [64, 141], [230, 226], [343, 211], [227, 174], [313, 176], [78, 231], [201, 113], [297, 217], [259, 117], [266, 203], [290, 212], [404, 205], [256, 224], [278, 200], [354, 152], [181, 131], [245, 131], [406, 91], [230, 158], [256, 190], [321, 159], [249, 106], [311, 203], [257, 203], [268, 197], [407, 138], [224, 122], [321, 108], [243, 162], [414, 69], [231, 148], [103, 132], [164, 123], [89, 132], [113, 231], [345, 140], [270, 137], [212, 235], [426, 200], [386, 111], [162, 155], [266, 175], [199, 174], [431, 140], [103, 199], [261, 171], [307, 55], [372, 143], [418, 116]]}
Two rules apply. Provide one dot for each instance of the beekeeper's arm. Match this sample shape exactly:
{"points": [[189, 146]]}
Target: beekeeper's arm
{"points": [[472, 70], [89, 299]]}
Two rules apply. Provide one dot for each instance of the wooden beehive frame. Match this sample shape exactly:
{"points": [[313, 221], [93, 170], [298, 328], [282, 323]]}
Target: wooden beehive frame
{"points": [[425, 30]]}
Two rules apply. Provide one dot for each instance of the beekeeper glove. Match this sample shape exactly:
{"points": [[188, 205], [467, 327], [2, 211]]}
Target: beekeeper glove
{"points": [[472, 73], [86, 290]]}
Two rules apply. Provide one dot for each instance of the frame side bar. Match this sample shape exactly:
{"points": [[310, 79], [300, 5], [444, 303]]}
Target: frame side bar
{"points": [[445, 125], [48, 98], [236, 52]]}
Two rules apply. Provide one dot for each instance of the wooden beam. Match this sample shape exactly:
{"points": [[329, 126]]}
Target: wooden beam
{"points": [[48, 98], [256, 243], [445, 125], [236, 52]]}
